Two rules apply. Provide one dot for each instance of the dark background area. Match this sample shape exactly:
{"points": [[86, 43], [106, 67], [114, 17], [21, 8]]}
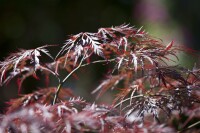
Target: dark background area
{"points": [[29, 24]]}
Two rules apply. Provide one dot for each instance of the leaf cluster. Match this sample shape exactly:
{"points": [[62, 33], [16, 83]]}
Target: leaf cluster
{"points": [[148, 88]]}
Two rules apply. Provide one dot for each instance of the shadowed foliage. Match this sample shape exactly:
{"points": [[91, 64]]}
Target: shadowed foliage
{"points": [[152, 95]]}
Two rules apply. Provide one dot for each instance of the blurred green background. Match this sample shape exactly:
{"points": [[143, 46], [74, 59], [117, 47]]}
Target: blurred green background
{"points": [[29, 24]]}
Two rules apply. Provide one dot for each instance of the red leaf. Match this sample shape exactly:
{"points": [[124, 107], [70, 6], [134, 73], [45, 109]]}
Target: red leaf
{"points": [[169, 46], [19, 84], [35, 76]]}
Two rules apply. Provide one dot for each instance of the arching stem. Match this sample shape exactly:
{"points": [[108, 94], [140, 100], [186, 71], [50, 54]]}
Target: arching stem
{"points": [[63, 81], [80, 65]]}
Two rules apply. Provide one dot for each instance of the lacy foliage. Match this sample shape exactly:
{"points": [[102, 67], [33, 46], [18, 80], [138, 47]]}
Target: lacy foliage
{"points": [[148, 88]]}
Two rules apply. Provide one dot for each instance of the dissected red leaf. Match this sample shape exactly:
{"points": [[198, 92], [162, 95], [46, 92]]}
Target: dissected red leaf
{"points": [[22, 61], [42, 96]]}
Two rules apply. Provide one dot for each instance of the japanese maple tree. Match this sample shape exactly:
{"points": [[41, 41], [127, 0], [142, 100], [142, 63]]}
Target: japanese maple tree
{"points": [[152, 95]]}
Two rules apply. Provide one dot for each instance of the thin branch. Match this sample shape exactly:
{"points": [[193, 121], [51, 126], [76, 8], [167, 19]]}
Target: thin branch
{"points": [[127, 100], [79, 66], [99, 61], [63, 81], [191, 126]]}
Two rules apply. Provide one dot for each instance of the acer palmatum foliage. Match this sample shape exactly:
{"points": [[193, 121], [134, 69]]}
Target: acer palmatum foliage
{"points": [[23, 62], [147, 87]]}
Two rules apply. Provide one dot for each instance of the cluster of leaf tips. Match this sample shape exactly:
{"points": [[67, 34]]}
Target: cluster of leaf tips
{"points": [[148, 87]]}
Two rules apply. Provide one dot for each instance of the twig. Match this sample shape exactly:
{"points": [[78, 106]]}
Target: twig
{"points": [[98, 61], [63, 81], [127, 100], [80, 65], [191, 126]]}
